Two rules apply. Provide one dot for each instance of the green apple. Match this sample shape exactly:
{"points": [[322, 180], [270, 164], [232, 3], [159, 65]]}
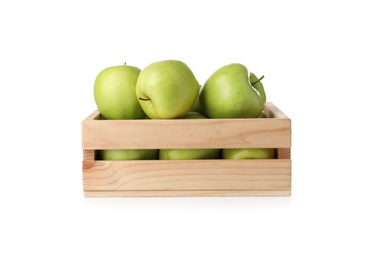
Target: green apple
{"points": [[194, 115], [262, 115], [128, 154], [167, 89], [114, 92], [231, 93], [197, 106], [249, 153], [189, 154]]}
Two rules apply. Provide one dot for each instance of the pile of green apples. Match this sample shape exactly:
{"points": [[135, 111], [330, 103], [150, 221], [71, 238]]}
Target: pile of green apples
{"points": [[168, 89]]}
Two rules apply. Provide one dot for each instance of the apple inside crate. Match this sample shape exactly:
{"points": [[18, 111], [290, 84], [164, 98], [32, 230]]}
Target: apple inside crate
{"points": [[210, 177]]}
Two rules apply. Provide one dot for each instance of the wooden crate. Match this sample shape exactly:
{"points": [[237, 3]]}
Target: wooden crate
{"points": [[218, 177]]}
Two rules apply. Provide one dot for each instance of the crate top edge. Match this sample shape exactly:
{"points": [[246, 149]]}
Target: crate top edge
{"points": [[269, 107]]}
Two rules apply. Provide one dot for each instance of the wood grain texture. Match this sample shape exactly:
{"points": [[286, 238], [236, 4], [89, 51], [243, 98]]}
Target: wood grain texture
{"points": [[284, 153], [182, 133], [187, 175], [187, 193], [88, 155], [190, 177]]}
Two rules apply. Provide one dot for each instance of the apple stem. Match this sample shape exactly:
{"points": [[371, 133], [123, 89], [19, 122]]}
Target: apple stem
{"points": [[144, 99], [257, 81]]}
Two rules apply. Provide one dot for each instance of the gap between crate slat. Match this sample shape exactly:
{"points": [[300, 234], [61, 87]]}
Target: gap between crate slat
{"points": [[282, 153]]}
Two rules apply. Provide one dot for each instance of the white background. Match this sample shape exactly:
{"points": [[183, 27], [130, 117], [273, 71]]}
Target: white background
{"points": [[318, 62]]}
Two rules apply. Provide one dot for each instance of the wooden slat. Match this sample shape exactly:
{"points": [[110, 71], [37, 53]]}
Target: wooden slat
{"points": [[95, 115], [88, 155], [182, 133], [187, 175], [202, 133], [284, 153], [272, 111], [187, 193]]}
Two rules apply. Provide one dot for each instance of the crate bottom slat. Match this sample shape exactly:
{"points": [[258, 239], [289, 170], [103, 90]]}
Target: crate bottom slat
{"points": [[187, 178], [187, 193]]}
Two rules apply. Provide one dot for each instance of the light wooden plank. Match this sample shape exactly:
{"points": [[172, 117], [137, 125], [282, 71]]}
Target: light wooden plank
{"points": [[187, 193], [187, 175], [88, 155], [202, 133], [179, 133], [272, 111], [95, 115], [284, 153]]}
